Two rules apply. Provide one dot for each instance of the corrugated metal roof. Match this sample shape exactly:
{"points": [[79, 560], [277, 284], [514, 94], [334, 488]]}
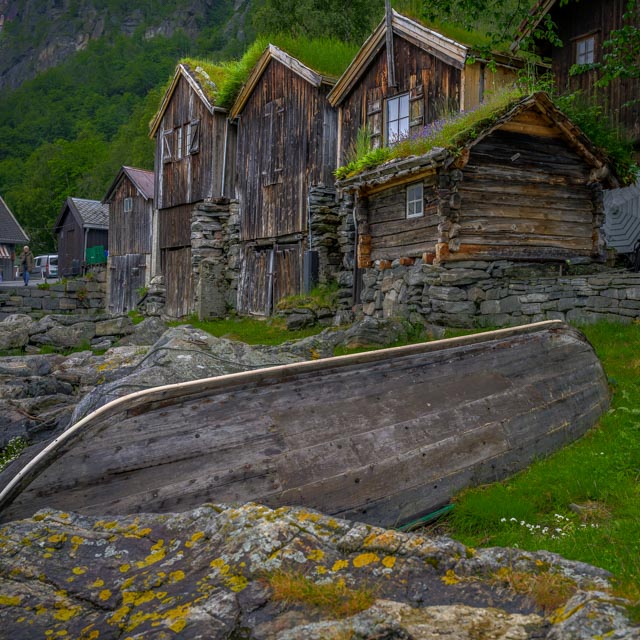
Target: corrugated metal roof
{"points": [[143, 180], [10, 230], [92, 212], [622, 218]]}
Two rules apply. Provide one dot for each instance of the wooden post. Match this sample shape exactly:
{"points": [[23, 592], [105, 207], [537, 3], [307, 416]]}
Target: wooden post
{"points": [[391, 64]]}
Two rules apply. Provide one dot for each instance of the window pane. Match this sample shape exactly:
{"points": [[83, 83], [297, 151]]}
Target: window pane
{"points": [[392, 109], [403, 128], [404, 106]]}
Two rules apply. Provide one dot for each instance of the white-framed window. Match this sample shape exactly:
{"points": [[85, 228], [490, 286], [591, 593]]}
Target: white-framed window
{"points": [[415, 200], [167, 146], [193, 137], [586, 50], [128, 205], [397, 118], [178, 150]]}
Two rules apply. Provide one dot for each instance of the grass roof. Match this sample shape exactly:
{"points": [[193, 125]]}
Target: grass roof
{"points": [[222, 81], [449, 132]]}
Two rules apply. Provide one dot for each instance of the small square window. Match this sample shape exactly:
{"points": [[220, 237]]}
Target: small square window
{"points": [[585, 50], [415, 201], [397, 118], [128, 205]]}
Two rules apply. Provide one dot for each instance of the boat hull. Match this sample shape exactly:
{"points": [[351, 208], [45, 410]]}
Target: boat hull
{"points": [[382, 437]]}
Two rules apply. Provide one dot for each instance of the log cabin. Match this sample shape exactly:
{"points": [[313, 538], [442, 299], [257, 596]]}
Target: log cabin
{"points": [[524, 184], [406, 76], [12, 235], [286, 147], [583, 31], [194, 144], [130, 202], [81, 225]]}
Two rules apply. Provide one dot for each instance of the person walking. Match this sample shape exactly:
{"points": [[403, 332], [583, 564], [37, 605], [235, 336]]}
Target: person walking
{"points": [[27, 262]]}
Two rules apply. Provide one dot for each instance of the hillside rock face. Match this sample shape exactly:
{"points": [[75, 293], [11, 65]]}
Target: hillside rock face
{"points": [[36, 35], [211, 573]]}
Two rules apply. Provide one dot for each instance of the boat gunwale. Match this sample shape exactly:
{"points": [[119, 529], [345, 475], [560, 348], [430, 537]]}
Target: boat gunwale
{"points": [[192, 388]]}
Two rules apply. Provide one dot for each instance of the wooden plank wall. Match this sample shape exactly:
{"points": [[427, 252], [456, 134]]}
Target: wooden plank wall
{"points": [[286, 141], [126, 275], [130, 232], [174, 227], [599, 17], [441, 84], [392, 234], [196, 176], [481, 82], [70, 245], [178, 281], [525, 195]]}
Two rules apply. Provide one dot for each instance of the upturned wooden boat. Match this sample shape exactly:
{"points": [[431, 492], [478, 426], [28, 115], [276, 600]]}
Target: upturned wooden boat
{"points": [[382, 437]]}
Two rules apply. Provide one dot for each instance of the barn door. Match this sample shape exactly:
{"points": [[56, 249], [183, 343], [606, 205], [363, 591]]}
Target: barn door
{"points": [[177, 277], [267, 275], [126, 278]]}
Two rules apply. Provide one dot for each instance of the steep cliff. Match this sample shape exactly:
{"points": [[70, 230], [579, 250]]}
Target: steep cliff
{"points": [[36, 35]]}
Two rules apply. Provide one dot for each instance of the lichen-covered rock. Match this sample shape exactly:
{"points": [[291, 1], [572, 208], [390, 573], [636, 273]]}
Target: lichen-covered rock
{"points": [[14, 332], [209, 573]]}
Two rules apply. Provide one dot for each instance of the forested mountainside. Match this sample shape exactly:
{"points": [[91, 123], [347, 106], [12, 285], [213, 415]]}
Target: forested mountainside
{"points": [[81, 79]]}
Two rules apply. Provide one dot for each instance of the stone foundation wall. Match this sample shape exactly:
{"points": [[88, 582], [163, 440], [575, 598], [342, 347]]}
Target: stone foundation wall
{"points": [[85, 295], [324, 214], [495, 294], [215, 257]]}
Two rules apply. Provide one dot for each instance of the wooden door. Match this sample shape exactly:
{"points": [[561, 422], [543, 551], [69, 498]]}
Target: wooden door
{"points": [[126, 277], [267, 275], [177, 278]]}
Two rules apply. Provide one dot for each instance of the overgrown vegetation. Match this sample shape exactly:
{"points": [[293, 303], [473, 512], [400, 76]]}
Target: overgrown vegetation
{"points": [[14, 448], [333, 598], [583, 502], [268, 331], [322, 296]]}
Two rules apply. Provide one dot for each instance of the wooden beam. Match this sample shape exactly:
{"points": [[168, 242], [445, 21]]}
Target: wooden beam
{"points": [[391, 63]]}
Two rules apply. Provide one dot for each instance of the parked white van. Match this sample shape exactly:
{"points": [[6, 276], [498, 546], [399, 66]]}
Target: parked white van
{"points": [[46, 266]]}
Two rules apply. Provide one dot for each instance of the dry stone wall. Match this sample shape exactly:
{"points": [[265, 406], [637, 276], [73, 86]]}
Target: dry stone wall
{"points": [[78, 296], [493, 294]]}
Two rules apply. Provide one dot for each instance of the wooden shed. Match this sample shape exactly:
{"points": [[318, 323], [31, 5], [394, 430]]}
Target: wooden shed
{"points": [[130, 202], [583, 29], [406, 76], [194, 145], [12, 236], [82, 225], [525, 184], [286, 145]]}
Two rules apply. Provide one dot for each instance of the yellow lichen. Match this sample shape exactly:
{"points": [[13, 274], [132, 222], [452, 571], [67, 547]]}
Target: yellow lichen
{"points": [[316, 555], [105, 594], [194, 538], [321, 570], [124, 568], [65, 614], [99, 582], [119, 615], [450, 577], [77, 540], [340, 564], [79, 570], [389, 561], [58, 538], [176, 576], [364, 559], [152, 558], [10, 601]]}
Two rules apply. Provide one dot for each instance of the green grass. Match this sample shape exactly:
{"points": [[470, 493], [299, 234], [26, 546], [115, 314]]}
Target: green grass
{"points": [[14, 448], [600, 473], [322, 296], [268, 331]]}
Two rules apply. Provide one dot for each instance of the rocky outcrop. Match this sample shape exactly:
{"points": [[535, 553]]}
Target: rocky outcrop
{"points": [[222, 572]]}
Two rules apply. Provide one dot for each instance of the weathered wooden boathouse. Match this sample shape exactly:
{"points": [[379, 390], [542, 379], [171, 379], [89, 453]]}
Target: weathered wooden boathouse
{"points": [[406, 76], [82, 224], [194, 143], [12, 239], [287, 134], [527, 185], [131, 220]]}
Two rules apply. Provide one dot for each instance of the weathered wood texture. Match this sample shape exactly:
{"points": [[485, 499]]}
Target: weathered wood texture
{"points": [[268, 275], [131, 231], [189, 150], [176, 266], [482, 80], [381, 437], [598, 18], [526, 195], [71, 244], [127, 275], [392, 234], [286, 142], [433, 86]]}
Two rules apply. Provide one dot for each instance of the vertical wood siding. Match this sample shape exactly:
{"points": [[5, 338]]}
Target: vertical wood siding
{"points": [[129, 232], [70, 245], [127, 274], [177, 274], [286, 141], [188, 177], [434, 88], [596, 17]]}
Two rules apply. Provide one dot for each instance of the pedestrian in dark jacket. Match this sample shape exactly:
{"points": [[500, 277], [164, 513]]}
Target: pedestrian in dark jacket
{"points": [[27, 263]]}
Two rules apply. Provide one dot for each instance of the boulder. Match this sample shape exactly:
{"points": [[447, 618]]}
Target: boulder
{"points": [[14, 332], [211, 573]]}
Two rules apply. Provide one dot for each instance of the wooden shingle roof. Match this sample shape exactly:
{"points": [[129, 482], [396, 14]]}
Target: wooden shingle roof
{"points": [[89, 214]]}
